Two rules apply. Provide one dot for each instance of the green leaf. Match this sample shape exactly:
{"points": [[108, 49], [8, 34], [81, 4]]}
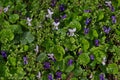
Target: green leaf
{"points": [[59, 52], [100, 16], [25, 47], [13, 18], [27, 38], [85, 44], [95, 34], [41, 57], [75, 24], [69, 68], [12, 61], [112, 68], [74, 79], [20, 73], [83, 59], [16, 29], [6, 35]]}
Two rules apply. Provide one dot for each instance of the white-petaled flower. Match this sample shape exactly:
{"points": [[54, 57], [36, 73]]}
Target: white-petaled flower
{"points": [[49, 14], [51, 56], [108, 3], [6, 8], [56, 24], [38, 75], [29, 21], [104, 61], [36, 49], [71, 31], [91, 76]]}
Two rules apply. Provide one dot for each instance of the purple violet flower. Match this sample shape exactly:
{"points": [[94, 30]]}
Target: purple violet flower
{"points": [[53, 3], [92, 57], [70, 62], [86, 30], [58, 75], [3, 53], [25, 60], [101, 77], [88, 20], [50, 77], [46, 65], [112, 8], [106, 30], [87, 11], [64, 16], [96, 42], [79, 52], [113, 19], [62, 8]]}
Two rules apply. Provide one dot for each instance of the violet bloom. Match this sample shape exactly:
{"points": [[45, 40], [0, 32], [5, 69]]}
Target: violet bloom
{"points": [[113, 19], [25, 60], [62, 8], [97, 42], [3, 53], [106, 30], [87, 11], [112, 8], [64, 16], [79, 52], [92, 57], [101, 77], [86, 30], [58, 75], [70, 62], [50, 77], [88, 20], [46, 65], [53, 3]]}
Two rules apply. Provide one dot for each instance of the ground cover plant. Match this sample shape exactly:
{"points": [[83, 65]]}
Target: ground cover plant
{"points": [[59, 40]]}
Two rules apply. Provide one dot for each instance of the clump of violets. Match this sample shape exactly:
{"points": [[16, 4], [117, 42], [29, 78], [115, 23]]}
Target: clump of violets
{"points": [[46, 65], [92, 57], [58, 75], [50, 13], [106, 30], [96, 42], [4, 54], [113, 19], [70, 62], [71, 32], [86, 31], [50, 77], [87, 22], [61, 7], [101, 77], [29, 21], [25, 60], [51, 56]]}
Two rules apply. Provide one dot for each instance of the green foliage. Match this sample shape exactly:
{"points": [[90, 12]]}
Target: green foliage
{"points": [[6, 35], [13, 18], [59, 52], [112, 68], [83, 59]]}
